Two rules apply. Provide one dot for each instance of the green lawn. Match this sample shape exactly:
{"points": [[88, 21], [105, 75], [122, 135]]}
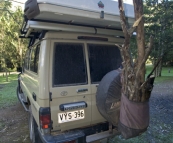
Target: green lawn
{"points": [[8, 91], [11, 78], [165, 74]]}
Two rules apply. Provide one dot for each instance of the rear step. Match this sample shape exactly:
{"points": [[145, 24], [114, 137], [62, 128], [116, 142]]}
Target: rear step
{"points": [[101, 135], [23, 104]]}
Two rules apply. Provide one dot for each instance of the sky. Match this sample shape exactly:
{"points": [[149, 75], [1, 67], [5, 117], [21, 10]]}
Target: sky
{"points": [[126, 1]]}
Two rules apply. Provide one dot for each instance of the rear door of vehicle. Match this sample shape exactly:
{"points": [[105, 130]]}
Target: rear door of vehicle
{"points": [[69, 89], [103, 58]]}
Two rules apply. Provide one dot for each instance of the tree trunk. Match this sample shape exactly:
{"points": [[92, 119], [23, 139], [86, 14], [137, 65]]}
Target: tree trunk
{"points": [[138, 9], [154, 63], [6, 76], [133, 73], [156, 73], [160, 68]]}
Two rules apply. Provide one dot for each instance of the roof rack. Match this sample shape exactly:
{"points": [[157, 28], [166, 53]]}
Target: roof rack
{"points": [[32, 27], [74, 16]]}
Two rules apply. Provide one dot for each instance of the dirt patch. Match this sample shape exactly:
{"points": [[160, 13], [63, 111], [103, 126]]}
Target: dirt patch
{"points": [[14, 125]]}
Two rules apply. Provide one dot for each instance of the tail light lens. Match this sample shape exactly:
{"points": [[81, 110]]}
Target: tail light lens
{"points": [[45, 118], [45, 121]]}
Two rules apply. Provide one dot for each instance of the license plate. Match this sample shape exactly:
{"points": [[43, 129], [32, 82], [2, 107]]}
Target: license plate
{"points": [[71, 116]]}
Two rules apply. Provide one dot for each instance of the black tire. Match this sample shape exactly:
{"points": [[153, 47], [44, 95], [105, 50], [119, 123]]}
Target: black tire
{"points": [[33, 129]]}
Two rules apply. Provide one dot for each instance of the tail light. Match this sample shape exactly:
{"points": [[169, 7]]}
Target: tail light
{"points": [[45, 118]]}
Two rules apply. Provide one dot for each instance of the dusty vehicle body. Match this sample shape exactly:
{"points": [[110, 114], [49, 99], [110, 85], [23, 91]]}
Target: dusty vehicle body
{"points": [[72, 47]]}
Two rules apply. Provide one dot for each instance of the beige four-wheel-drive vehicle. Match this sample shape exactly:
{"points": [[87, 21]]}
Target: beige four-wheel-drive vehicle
{"points": [[71, 48]]}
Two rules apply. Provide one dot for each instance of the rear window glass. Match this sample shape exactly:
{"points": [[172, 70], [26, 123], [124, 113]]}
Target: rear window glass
{"points": [[34, 59], [26, 61], [69, 64], [103, 59]]}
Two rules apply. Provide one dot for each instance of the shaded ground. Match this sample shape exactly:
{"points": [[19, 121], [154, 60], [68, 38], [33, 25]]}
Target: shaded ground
{"points": [[14, 127]]}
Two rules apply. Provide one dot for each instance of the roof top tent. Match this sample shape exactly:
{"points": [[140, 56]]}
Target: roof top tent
{"points": [[88, 16]]}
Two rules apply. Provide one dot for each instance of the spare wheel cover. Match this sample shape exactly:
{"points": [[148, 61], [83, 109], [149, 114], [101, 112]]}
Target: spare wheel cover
{"points": [[108, 96]]}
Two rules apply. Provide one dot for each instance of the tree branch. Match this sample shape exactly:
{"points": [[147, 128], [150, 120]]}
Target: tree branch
{"points": [[121, 51], [120, 47], [147, 53], [123, 19], [136, 23]]}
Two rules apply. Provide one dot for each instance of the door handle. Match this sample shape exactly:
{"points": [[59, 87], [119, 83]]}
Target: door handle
{"points": [[81, 90], [34, 96]]}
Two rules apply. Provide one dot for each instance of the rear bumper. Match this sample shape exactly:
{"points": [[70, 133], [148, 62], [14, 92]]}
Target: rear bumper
{"points": [[65, 137], [76, 135], [85, 135], [100, 136]]}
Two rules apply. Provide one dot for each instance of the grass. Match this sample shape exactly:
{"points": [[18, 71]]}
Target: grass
{"points": [[12, 77], [8, 95], [165, 75]]}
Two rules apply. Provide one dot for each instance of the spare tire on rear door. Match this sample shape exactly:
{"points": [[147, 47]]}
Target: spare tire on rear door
{"points": [[108, 96]]}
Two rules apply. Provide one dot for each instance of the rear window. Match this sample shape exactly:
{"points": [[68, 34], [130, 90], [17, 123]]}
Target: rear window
{"points": [[69, 64], [103, 59], [26, 61], [34, 59]]}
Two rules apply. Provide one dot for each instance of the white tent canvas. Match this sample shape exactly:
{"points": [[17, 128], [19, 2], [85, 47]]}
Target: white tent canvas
{"points": [[104, 13]]}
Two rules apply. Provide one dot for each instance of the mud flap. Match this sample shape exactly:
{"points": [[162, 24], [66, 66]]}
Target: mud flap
{"points": [[134, 117]]}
